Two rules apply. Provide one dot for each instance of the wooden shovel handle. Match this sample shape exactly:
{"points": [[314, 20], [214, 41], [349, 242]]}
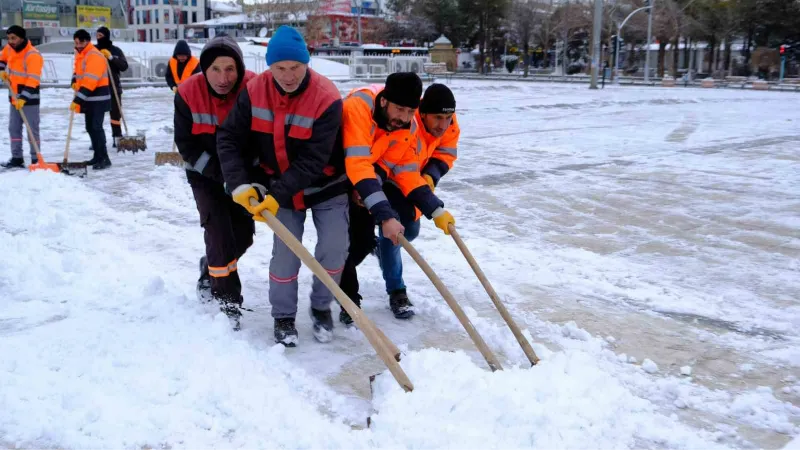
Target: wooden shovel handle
{"points": [[451, 301], [116, 95], [31, 138], [69, 136], [385, 349], [526, 347]]}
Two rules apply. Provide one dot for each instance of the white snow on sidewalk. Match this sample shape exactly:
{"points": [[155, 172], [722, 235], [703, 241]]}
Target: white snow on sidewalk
{"points": [[619, 226]]}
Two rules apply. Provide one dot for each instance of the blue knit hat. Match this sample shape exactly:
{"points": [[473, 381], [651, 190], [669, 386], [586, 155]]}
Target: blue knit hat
{"points": [[287, 44]]}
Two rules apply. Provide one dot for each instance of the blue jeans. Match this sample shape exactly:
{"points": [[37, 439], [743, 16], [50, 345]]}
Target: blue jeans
{"points": [[389, 256]]}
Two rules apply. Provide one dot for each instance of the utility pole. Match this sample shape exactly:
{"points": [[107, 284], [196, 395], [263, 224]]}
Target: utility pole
{"points": [[598, 24], [651, 4], [360, 4]]}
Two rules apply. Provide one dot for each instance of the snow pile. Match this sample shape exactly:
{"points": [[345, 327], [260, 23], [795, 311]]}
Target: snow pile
{"points": [[564, 402]]}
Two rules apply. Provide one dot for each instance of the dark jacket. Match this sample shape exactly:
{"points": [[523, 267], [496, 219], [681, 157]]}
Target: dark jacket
{"points": [[118, 62], [181, 48], [199, 110], [295, 138]]}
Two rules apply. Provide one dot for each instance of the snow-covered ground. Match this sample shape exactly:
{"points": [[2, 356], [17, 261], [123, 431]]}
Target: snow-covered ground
{"points": [[648, 240]]}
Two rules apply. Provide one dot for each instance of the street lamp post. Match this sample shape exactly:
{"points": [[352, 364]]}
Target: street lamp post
{"points": [[598, 23], [619, 36], [647, 47]]}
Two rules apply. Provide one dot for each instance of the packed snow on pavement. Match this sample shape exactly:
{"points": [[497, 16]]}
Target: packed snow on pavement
{"points": [[646, 240]]}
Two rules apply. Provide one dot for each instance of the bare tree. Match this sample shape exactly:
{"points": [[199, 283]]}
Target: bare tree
{"points": [[524, 14]]}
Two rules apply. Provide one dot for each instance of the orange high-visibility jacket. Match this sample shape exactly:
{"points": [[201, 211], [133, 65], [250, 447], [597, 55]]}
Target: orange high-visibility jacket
{"points": [[438, 153], [188, 70], [374, 156], [91, 76], [24, 70]]}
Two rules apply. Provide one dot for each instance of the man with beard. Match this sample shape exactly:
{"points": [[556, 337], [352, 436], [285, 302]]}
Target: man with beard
{"points": [[92, 94], [21, 65], [118, 64], [382, 146]]}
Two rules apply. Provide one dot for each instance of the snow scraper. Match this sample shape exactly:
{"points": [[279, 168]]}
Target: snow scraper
{"points": [[526, 346], [491, 360], [72, 168], [40, 164], [386, 350], [173, 158], [127, 142]]}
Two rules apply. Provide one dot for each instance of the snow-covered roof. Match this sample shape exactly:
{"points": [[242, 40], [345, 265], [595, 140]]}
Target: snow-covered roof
{"points": [[225, 7], [250, 18], [442, 40]]}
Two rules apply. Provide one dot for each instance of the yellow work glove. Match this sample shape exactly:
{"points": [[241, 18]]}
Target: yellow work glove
{"points": [[442, 218], [74, 86], [19, 103], [4, 76], [75, 107], [247, 192], [106, 53], [429, 180], [269, 204]]}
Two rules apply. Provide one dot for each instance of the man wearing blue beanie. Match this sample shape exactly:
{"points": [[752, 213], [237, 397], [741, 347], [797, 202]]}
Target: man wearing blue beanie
{"points": [[285, 125]]}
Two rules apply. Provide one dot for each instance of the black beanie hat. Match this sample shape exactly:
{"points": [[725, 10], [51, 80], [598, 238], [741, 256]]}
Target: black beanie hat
{"points": [[105, 32], [438, 99], [17, 31], [404, 89]]}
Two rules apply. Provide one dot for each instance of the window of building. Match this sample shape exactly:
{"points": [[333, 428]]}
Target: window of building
{"points": [[155, 13], [158, 34], [194, 2], [194, 16]]}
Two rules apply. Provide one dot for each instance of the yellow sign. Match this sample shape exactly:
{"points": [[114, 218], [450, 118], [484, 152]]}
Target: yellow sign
{"points": [[93, 17]]}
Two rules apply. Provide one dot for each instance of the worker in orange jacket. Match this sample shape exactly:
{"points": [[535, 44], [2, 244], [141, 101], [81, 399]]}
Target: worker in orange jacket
{"points": [[439, 133], [381, 142], [21, 66], [92, 94], [182, 65]]}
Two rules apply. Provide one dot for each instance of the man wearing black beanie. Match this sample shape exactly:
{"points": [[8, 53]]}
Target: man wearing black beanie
{"points": [[21, 67], [118, 63], [439, 132], [381, 140]]}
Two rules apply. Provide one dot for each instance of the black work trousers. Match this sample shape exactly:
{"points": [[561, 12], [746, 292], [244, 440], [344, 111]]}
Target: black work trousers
{"points": [[229, 230]]}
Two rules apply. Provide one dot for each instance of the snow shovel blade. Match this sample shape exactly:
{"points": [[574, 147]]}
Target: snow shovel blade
{"points": [[41, 165], [171, 158], [132, 144], [77, 169]]}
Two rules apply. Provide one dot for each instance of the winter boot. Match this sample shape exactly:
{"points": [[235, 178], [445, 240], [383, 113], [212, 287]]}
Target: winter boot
{"points": [[34, 160], [323, 325], [204, 282], [13, 163], [401, 306], [285, 332], [231, 309], [344, 317], [102, 163]]}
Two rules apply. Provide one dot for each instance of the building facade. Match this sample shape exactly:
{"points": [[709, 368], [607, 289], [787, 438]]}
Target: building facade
{"points": [[57, 20], [164, 20]]}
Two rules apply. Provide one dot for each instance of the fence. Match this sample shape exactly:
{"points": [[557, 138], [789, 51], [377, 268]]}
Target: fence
{"points": [[150, 68]]}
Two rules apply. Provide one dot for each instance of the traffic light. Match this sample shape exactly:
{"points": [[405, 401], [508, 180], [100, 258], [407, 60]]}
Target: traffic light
{"points": [[783, 50]]}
